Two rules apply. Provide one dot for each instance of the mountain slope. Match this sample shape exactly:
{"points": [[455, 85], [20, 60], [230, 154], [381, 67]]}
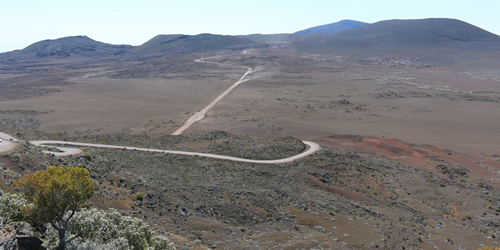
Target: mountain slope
{"points": [[166, 44], [429, 31], [73, 47], [407, 34], [333, 28], [448, 42]]}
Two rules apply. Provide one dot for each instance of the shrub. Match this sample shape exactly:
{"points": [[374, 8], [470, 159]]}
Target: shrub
{"points": [[139, 197], [87, 157], [110, 230], [10, 207], [16, 158], [57, 193], [92, 245]]}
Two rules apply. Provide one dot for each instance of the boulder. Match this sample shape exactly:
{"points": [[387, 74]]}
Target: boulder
{"points": [[19, 236], [8, 239]]}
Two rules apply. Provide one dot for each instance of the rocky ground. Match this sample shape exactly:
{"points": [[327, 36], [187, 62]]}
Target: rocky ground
{"points": [[356, 192]]}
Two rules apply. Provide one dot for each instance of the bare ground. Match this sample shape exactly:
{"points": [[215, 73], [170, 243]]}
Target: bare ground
{"points": [[366, 191], [453, 109]]}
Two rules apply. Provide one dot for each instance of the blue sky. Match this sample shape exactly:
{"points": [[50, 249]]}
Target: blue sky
{"points": [[24, 22]]}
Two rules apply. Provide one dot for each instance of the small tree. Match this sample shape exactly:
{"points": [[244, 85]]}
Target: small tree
{"points": [[57, 193]]}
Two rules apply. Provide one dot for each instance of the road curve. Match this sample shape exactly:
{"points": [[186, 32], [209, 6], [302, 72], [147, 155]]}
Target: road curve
{"points": [[65, 151], [8, 142], [312, 147], [8, 137], [201, 114]]}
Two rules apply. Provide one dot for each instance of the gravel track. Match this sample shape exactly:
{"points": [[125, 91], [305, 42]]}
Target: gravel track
{"points": [[312, 147]]}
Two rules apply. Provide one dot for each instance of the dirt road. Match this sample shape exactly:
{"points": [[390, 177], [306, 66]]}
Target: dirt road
{"points": [[8, 142], [312, 147], [201, 114]]}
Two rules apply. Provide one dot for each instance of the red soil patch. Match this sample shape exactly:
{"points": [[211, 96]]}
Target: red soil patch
{"points": [[416, 154]]}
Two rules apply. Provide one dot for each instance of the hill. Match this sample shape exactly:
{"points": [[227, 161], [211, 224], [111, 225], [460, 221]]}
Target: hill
{"points": [[333, 28], [167, 44], [447, 41], [72, 47], [408, 33]]}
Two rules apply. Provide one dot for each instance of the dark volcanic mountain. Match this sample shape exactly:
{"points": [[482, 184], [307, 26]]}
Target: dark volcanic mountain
{"points": [[73, 47], [407, 34], [427, 31], [434, 40], [167, 44], [333, 28]]}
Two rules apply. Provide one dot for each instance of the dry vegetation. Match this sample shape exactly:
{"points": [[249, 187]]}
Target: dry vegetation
{"points": [[392, 195], [356, 192]]}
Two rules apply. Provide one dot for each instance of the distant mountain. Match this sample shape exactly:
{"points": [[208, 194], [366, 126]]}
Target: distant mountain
{"points": [[73, 47], [421, 31], [167, 44], [440, 40], [333, 28], [406, 34]]}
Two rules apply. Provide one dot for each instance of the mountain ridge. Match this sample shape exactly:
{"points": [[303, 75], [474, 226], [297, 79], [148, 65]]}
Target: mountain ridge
{"points": [[405, 36], [434, 40], [66, 48], [167, 44]]}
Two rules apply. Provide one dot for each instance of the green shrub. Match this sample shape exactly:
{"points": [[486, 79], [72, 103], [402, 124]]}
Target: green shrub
{"points": [[139, 197], [87, 157], [56, 193]]}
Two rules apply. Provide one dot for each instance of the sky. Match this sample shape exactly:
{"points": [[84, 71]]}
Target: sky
{"points": [[23, 22]]}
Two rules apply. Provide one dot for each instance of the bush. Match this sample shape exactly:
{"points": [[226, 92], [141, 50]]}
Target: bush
{"points": [[87, 157], [10, 207], [57, 193], [110, 230], [139, 197], [16, 158], [91, 245]]}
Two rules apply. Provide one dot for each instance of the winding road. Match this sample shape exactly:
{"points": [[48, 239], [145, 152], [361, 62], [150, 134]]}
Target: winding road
{"points": [[10, 142], [65, 151], [311, 148]]}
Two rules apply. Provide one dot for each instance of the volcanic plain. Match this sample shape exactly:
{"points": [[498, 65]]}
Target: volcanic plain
{"points": [[409, 159]]}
